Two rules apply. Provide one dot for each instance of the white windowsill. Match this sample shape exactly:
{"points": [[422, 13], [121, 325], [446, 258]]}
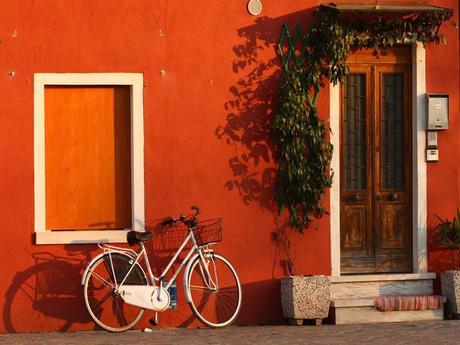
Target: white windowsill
{"points": [[80, 237]]}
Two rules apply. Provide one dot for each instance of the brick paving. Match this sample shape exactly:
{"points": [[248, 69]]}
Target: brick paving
{"points": [[420, 333]]}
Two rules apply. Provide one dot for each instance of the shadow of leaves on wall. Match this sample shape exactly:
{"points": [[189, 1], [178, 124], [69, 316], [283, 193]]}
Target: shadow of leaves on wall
{"points": [[249, 111], [253, 99]]}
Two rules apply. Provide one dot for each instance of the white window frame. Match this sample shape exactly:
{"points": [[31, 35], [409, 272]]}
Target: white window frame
{"points": [[136, 83]]}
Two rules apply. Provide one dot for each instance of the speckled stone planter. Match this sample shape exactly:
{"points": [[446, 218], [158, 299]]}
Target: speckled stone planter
{"points": [[305, 298], [450, 285]]}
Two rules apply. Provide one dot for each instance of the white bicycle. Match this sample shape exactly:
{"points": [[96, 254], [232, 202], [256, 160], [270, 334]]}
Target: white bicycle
{"points": [[117, 291]]}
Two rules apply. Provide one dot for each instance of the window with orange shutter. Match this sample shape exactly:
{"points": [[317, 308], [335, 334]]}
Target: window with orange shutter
{"points": [[88, 157]]}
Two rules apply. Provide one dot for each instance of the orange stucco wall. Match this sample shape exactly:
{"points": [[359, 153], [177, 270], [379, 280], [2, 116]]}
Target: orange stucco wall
{"points": [[210, 74], [444, 176]]}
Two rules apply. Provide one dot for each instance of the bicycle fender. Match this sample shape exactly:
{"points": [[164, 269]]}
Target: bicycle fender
{"points": [[188, 298], [90, 263]]}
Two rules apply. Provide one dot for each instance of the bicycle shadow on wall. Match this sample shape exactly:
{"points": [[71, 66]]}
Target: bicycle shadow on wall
{"points": [[249, 110], [48, 295]]}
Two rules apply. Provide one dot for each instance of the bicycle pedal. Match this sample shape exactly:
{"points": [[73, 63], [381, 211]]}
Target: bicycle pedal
{"points": [[153, 321]]}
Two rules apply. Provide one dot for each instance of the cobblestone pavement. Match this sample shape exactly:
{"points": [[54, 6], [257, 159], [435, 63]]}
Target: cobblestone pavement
{"points": [[420, 333]]}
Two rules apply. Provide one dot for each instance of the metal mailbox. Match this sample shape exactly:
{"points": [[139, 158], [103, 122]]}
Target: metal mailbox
{"points": [[438, 111]]}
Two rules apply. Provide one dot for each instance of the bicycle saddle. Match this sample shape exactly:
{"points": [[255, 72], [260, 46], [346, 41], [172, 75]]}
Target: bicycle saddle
{"points": [[136, 237]]}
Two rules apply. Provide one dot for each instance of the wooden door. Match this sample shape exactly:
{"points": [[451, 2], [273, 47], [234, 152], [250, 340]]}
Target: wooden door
{"points": [[376, 159]]}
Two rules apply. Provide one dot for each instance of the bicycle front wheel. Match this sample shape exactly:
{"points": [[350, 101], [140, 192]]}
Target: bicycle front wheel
{"points": [[104, 304], [214, 290]]}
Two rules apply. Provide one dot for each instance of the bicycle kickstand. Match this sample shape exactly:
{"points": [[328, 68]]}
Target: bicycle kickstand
{"points": [[154, 320]]}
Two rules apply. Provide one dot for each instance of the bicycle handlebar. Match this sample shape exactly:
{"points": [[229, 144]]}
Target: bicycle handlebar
{"points": [[190, 221]]}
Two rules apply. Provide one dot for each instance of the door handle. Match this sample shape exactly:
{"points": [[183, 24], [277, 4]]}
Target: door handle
{"points": [[393, 197], [355, 197]]}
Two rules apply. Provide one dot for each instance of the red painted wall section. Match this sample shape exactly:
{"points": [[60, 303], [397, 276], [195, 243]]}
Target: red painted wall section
{"points": [[210, 74], [443, 70]]}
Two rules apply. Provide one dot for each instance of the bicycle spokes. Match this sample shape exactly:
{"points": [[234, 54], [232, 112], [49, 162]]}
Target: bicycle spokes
{"points": [[208, 274], [215, 291], [104, 303], [102, 280]]}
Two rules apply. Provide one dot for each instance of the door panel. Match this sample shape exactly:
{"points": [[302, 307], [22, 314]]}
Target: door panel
{"points": [[391, 131], [356, 192], [354, 239], [376, 168], [354, 133], [392, 226], [393, 218]]}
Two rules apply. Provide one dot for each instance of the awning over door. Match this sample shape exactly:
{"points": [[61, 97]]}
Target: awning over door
{"points": [[425, 16], [384, 9]]}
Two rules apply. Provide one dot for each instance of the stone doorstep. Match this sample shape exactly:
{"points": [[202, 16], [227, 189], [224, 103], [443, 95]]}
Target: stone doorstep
{"points": [[357, 315], [366, 286], [381, 277], [361, 310], [352, 302], [353, 297]]}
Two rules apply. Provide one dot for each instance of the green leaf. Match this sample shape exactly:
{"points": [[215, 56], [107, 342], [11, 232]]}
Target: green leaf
{"points": [[444, 39], [300, 135]]}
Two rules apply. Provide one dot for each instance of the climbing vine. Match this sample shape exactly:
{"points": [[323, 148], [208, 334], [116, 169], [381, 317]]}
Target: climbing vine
{"points": [[303, 150]]}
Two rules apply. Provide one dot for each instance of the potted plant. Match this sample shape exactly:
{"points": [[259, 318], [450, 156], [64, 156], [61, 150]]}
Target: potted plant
{"points": [[303, 297], [449, 237]]}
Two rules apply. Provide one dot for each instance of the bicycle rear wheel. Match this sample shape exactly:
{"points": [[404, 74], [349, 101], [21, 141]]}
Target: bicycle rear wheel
{"points": [[104, 304], [215, 299]]}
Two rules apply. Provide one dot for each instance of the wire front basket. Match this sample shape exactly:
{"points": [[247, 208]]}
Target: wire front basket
{"points": [[208, 231]]}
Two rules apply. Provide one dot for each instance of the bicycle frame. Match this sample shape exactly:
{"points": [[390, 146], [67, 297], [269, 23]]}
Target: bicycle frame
{"points": [[154, 279], [118, 287], [143, 253]]}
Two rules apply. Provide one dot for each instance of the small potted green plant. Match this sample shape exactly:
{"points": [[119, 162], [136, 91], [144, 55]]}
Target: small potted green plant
{"points": [[449, 237]]}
